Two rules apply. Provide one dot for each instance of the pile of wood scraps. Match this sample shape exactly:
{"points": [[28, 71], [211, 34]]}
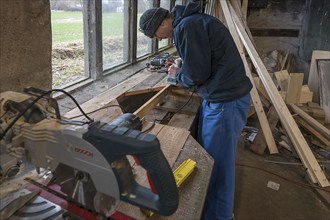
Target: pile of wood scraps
{"points": [[282, 103]]}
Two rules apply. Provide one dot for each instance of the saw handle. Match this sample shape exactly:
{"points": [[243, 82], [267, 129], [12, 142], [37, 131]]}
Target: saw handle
{"points": [[162, 182]]}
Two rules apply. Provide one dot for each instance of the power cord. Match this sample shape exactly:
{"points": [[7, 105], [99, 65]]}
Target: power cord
{"points": [[35, 101], [96, 110]]}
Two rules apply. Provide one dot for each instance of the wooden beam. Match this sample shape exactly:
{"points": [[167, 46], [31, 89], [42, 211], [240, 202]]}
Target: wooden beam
{"points": [[311, 121], [254, 94], [144, 109], [259, 142], [143, 91], [308, 159], [313, 131]]}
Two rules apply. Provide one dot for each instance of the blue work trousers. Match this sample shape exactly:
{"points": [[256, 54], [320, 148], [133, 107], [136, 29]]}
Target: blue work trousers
{"points": [[220, 127]]}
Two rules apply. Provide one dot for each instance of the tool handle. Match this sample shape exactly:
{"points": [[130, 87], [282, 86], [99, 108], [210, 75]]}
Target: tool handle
{"points": [[163, 182]]}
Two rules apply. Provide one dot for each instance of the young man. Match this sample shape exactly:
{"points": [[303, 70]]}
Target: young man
{"points": [[211, 65]]}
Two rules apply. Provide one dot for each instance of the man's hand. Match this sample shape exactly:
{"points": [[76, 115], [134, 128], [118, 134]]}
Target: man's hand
{"points": [[172, 70]]}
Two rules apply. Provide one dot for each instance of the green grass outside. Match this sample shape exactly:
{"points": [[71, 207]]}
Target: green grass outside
{"points": [[68, 26]]}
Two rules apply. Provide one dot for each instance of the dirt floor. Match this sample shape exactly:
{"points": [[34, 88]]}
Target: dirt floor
{"points": [[266, 190]]}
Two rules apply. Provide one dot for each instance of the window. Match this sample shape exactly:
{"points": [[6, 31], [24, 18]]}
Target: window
{"points": [[92, 37], [68, 43], [144, 43], [167, 5], [114, 35]]}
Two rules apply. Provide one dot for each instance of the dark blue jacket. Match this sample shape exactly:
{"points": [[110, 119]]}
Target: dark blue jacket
{"points": [[211, 62]]}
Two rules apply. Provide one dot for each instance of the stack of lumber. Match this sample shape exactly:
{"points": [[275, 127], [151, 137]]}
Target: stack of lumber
{"points": [[280, 99]]}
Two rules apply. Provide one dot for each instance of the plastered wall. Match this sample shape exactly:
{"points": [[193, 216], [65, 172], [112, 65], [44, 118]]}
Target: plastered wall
{"points": [[25, 44]]}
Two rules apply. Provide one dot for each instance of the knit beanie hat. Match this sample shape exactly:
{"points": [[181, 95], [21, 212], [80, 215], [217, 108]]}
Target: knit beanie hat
{"points": [[151, 20]]}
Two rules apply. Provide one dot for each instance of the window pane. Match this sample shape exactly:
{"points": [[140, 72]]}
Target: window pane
{"points": [[164, 4], [113, 33], [144, 43], [68, 43]]}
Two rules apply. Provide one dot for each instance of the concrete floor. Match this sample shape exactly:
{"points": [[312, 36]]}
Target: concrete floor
{"points": [[255, 201]]}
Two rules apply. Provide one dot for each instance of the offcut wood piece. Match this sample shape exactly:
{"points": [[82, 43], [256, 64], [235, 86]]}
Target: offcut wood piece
{"points": [[294, 87], [323, 67], [282, 78], [311, 121], [254, 94], [306, 95], [308, 159], [313, 78]]}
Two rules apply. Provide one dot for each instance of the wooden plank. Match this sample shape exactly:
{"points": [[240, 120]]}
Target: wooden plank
{"points": [[282, 78], [259, 144], [254, 94], [142, 91], [147, 84], [155, 115], [308, 159], [311, 121], [144, 109], [107, 113], [109, 95], [294, 87], [161, 83], [313, 78], [180, 120], [314, 132]]}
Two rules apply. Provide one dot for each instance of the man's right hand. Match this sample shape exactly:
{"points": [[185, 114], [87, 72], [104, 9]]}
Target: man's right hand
{"points": [[172, 70]]}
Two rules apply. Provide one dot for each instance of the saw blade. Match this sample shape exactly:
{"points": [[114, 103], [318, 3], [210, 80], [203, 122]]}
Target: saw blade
{"points": [[14, 202]]}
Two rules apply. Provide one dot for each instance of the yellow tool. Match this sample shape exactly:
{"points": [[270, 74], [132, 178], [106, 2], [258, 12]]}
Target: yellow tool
{"points": [[183, 171], [180, 174]]}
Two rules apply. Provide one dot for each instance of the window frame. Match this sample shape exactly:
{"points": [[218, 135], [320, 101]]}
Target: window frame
{"points": [[92, 25]]}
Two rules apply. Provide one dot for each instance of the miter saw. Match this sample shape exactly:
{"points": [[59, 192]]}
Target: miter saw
{"points": [[87, 160]]}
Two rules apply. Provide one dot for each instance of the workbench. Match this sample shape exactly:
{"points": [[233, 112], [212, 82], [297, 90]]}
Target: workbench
{"points": [[150, 97]]}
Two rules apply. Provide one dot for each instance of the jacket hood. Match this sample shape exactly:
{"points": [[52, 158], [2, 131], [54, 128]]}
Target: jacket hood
{"points": [[182, 11]]}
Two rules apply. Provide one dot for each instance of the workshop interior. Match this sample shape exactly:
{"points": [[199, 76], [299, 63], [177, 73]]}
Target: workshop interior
{"points": [[93, 126]]}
